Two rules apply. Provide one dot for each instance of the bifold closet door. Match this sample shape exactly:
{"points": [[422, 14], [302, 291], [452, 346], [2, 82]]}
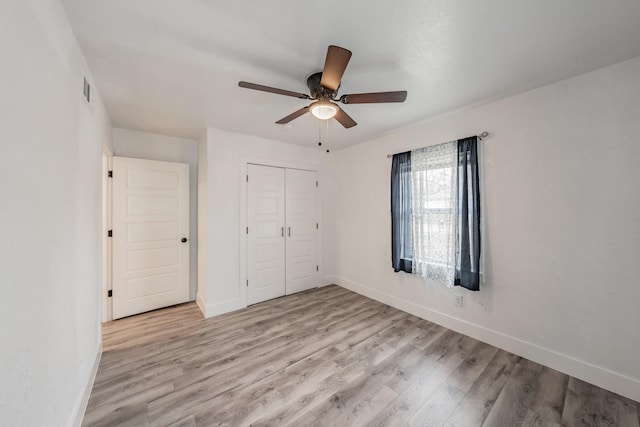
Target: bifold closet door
{"points": [[302, 230], [265, 233]]}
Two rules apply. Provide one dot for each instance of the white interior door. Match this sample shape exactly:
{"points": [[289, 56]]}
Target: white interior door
{"points": [[150, 235], [265, 233], [302, 230]]}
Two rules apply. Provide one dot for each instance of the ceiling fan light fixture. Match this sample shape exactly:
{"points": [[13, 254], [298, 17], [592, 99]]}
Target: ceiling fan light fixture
{"points": [[323, 110]]}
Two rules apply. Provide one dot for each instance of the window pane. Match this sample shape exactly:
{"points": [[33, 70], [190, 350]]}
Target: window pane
{"points": [[434, 210]]}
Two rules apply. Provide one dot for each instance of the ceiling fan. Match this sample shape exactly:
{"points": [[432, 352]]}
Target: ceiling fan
{"points": [[323, 89]]}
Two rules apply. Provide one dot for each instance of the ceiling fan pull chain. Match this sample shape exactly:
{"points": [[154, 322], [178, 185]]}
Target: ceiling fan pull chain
{"points": [[326, 134]]}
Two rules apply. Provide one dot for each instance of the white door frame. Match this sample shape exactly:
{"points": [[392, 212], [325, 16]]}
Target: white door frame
{"points": [[244, 161], [107, 254]]}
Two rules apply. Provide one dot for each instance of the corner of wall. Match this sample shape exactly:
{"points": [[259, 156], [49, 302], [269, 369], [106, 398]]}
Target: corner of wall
{"points": [[202, 220], [201, 303], [211, 310], [329, 280], [81, 405]]}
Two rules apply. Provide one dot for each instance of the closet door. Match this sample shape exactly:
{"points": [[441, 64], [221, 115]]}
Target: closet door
{"points": [[265, 233], [302, 232]]}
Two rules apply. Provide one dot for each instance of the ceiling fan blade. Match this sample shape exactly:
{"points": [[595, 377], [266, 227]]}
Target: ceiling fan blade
{"points": [[344, 119], [374, 97], [254, 86], [293, 116], [334, 66]]}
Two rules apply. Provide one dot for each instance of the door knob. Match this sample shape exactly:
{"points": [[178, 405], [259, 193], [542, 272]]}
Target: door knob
{"points": [[184, 240]]}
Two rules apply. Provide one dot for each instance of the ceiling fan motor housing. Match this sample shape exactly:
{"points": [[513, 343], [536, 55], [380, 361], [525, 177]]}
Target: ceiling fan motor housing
{"points": [[316, 90]]}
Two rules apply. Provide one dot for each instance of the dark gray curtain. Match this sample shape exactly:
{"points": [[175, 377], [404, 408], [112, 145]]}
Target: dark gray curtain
{"points": [[468, 194], [401, 249]]}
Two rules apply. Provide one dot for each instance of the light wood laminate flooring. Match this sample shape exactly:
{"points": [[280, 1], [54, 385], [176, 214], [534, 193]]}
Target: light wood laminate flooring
{"points": [[328, 357]]}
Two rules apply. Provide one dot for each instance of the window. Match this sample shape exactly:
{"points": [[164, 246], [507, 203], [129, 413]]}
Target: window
{"points": [[436, 213]]}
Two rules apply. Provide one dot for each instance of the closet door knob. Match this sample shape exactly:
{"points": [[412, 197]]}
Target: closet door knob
{"points": [[184, 240]]}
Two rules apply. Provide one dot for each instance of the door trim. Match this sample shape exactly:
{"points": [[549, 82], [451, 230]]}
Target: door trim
{"points": [[244, 162], [107, 251]]}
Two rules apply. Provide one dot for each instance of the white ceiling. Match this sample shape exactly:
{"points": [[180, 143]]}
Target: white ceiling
{"points": [[172, 67]]}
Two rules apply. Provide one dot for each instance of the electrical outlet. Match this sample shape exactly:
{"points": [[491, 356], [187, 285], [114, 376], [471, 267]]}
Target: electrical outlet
{"points": [[458, 300], [482, 305]]}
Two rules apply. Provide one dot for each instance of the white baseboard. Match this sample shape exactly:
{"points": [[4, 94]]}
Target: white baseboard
{"points": [[210, 310], [328, 281], [202, 305], [83, 401], [597, 375]]}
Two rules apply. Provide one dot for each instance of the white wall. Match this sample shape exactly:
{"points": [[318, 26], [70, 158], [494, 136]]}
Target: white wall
{"points": [[224, 154], [50, 188], [143, 145], [562, 230]]}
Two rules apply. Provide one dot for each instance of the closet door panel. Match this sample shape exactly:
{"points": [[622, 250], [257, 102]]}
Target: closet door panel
{"points": [[265, 236], [302, 232]]}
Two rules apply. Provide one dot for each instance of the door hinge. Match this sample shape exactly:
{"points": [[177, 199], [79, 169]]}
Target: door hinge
{"points": [[247, 230], [317, 268], [109, 174], [247, 282], [317, 226], [109, 233], [316, 183], [109, 293], [247, 178]]}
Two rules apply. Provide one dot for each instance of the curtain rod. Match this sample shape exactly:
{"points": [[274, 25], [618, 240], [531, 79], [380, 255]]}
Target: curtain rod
{"points": [[482, 135]]}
